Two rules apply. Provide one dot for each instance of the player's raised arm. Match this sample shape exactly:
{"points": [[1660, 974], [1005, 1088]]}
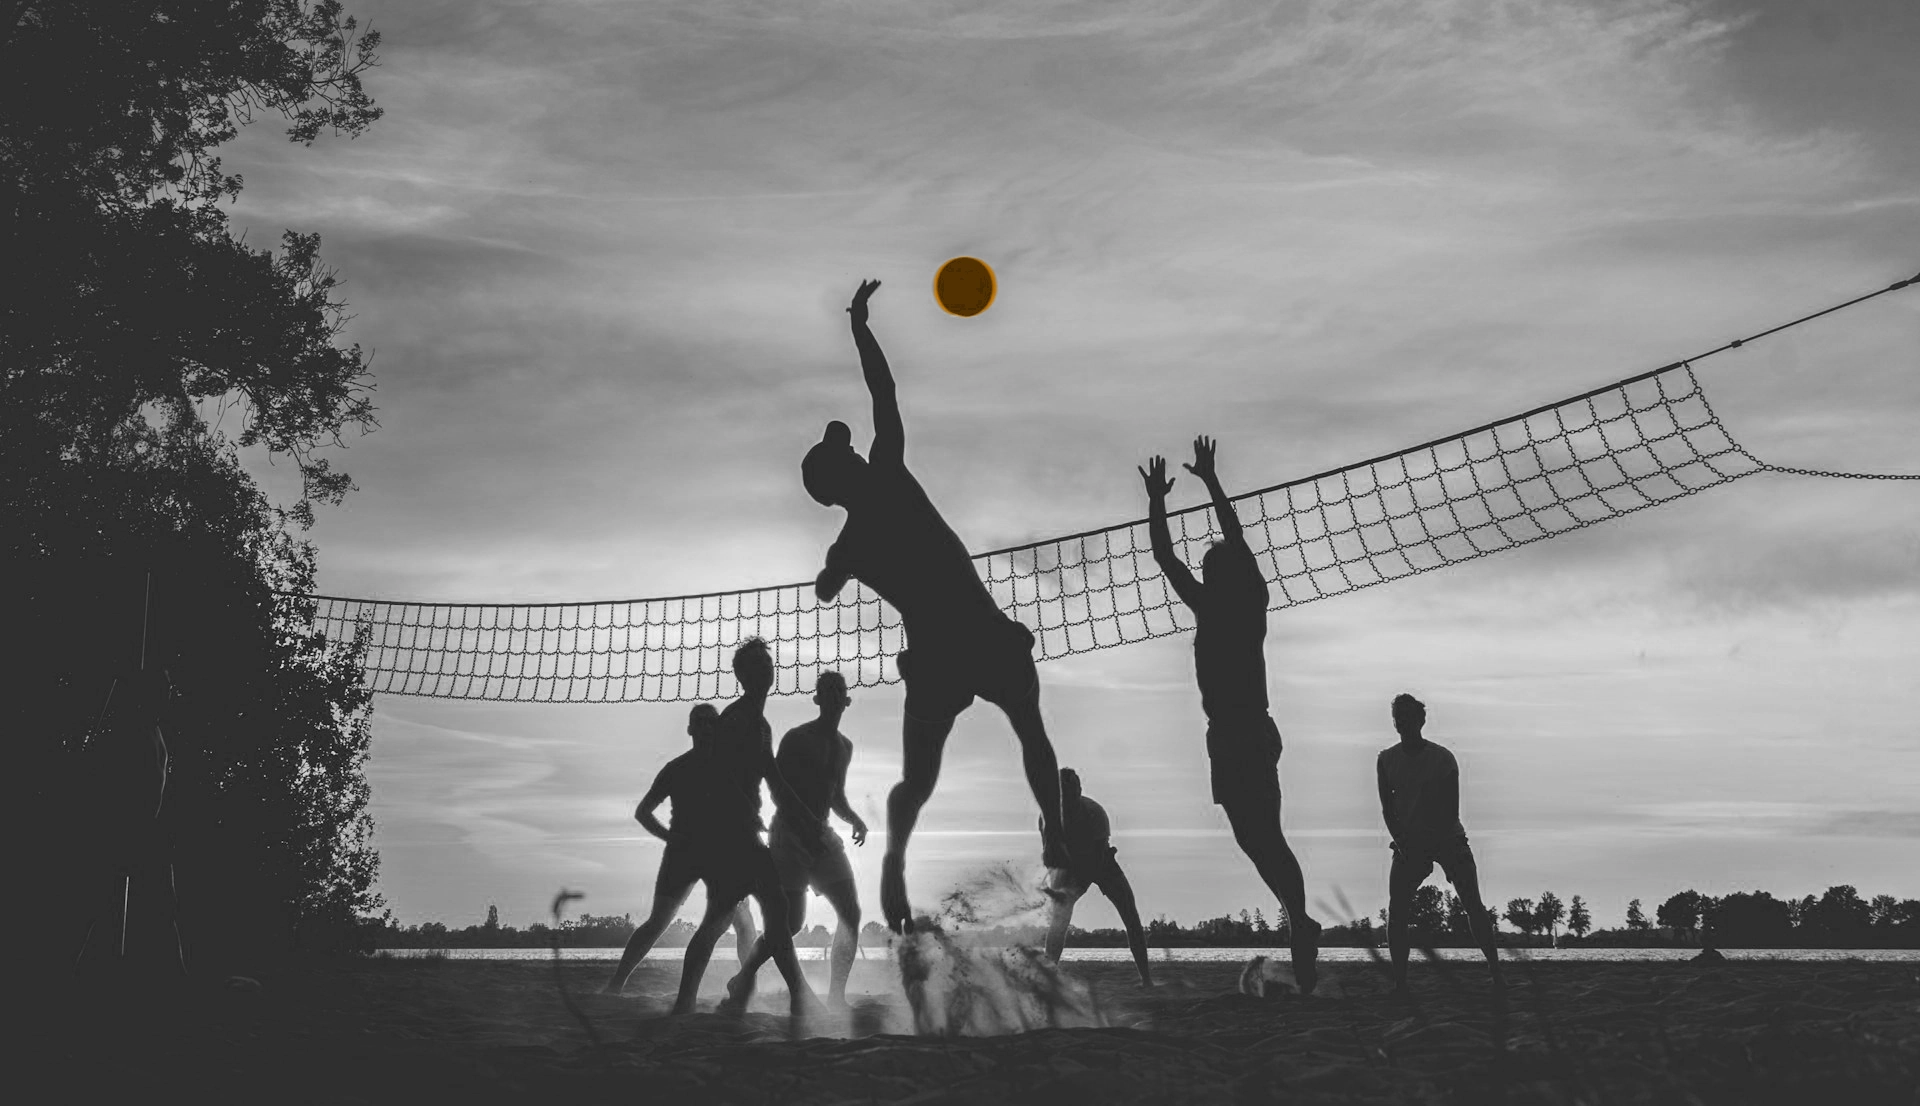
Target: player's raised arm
{"points": [[657, 794], [1203, 467], [889, 433], [1175, 570]]}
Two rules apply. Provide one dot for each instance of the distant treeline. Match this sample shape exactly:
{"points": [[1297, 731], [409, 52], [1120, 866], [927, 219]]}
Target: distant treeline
{"points": [[1837, 919]]}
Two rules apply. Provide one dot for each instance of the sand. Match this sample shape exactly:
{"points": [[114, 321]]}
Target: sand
{"points": [[468, 1031]]}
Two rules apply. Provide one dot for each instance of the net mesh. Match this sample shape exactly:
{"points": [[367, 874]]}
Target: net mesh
{"points": [[1598, 456]]}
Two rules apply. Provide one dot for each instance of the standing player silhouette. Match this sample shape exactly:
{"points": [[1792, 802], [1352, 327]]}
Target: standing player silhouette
{"points": [[1229, 646], [1420, 801], [694, 783], [813, 758], [960, 645]]}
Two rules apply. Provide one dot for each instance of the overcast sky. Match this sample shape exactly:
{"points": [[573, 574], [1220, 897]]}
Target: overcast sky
{"points": [[601, 251]]}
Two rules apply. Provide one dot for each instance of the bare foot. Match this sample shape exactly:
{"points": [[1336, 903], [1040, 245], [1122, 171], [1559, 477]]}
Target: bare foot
{"points": [[739, 994]]}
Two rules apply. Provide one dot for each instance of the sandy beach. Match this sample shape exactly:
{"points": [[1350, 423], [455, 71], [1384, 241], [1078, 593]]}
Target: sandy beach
{"points": [[436, 1030]]}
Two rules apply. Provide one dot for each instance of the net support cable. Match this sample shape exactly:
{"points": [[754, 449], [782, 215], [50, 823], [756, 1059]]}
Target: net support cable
{"points": [[1633, 444]]}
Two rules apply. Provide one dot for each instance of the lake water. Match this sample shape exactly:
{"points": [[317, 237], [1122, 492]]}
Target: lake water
{"points": [[725, 952]]}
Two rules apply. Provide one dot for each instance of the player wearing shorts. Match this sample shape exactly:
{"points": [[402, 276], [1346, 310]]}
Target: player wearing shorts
{"points": [[960, 645], [1420, 800], [1095, 864], [692, 783], [813, 759], [1229, 606]]}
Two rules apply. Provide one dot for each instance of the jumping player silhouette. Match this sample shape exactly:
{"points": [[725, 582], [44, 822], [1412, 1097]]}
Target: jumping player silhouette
{"points": [[959, 644], [1095, 864], [693, 782], [1420, 800], [1229, 641], [813, 759]]}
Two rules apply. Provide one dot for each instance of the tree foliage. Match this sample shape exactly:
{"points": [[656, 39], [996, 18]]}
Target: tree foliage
{"points": [[1548, 914], [1681, 911], [1579, 920], [125, 287], [1521, 915], [131, 308]]}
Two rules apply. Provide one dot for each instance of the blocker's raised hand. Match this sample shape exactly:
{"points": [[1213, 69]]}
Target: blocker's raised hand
{"points": [[1202, 466], [1155, 476]]}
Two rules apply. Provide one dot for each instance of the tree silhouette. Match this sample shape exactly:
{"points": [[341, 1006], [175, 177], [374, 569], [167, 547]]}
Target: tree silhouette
{"points": [[1521, 915], [1681, 912], [129, 304], [1578, 920], [1635, 919], [1549, 912]]}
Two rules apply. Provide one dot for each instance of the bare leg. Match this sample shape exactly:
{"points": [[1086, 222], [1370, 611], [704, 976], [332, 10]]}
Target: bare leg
{"points": [[1256, 827], [669, 891], [1060, 914], [700, 949], [1403, 879], [773, 911], [846, 933], [1464, 874], [923, 744], [745, 936], [755, 952], [1120, 893], [1043, 772]]}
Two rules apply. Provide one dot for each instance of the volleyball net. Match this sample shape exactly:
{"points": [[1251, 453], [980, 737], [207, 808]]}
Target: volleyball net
{"points": [[1635, 444]]}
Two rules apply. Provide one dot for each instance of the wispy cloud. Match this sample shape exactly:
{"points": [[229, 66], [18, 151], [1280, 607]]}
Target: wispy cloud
{"points": [[602, 252]]}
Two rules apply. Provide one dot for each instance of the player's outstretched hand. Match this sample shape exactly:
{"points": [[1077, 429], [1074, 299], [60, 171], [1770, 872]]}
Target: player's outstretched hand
{"points": [[859, 831], [858, 308], [1155, 476], [1202, 466]]}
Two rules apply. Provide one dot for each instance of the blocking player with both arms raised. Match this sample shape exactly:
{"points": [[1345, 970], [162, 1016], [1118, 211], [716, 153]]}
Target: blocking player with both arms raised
{"points": [[1229, 606]]}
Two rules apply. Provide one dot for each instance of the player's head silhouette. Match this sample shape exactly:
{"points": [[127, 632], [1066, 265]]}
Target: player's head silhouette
{"points": [[833, 471], [753, 665], [1409, 715]]}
